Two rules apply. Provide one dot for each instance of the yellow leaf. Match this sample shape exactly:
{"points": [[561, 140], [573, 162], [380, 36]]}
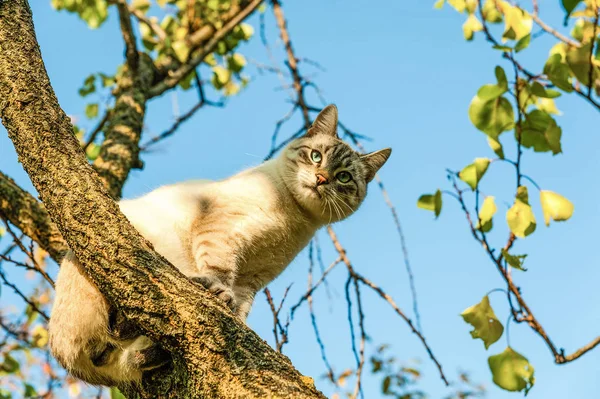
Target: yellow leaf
{"points": [[555, 207]]}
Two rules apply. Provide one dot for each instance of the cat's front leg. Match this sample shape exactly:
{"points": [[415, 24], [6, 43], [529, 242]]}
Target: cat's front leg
{"points": [[216, 269]]}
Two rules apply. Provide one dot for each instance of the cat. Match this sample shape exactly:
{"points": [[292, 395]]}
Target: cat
{"points": [[232, 236]]}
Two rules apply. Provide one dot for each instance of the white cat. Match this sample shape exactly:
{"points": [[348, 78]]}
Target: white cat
{"points": [[232, 236]]}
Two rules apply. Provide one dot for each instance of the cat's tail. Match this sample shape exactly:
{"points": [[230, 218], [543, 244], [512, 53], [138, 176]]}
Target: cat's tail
{"points": [[80, 334]]}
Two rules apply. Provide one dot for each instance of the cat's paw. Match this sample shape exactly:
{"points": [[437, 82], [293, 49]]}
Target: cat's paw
{"points": [[216, 287]]}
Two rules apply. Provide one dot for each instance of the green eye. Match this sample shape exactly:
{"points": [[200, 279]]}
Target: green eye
{"points": [[316, 156], [344, 177]]}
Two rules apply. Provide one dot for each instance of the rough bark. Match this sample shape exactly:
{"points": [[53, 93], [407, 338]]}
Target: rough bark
{"points": [[214, 354], [30, 216]]}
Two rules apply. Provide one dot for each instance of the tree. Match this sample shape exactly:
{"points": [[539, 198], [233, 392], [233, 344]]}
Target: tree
{"points": [[169, 46], [54, 152], [525, 104]]}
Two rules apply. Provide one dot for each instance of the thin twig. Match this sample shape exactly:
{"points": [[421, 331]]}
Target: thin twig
{"points": [[131, 53]]}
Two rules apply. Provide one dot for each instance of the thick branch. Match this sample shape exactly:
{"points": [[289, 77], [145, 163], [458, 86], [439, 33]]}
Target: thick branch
{"points": [[29, 216], [215, 355]]}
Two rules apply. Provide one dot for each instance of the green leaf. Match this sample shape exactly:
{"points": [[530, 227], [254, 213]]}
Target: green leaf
{"points": [[91, 110], [220, 77], [558, 73], [94, 12], [515, 261], [30, 391], [247, 31], [501, 77], [486, 213], [431, 202], [569, 6], [555, 207], [2, 231], [492, 116], [496, 147], [580, 63], [490, 92], [486, 325], [116, 394], [10, 365], [540, 91], [186, 82], [89, 86], [523, 43], [472, 174], [512, 371], [107, 80], [540, 132], [438, 4], [236, 62], [548, 106], [92, 151], [491, 13], [519, 217]]}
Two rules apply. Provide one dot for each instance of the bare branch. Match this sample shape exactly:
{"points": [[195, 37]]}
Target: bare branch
{"points": [[131, 53]]}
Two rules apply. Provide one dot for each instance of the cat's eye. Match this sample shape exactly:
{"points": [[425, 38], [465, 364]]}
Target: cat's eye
{"points": [[344, 177], [316, 156]]}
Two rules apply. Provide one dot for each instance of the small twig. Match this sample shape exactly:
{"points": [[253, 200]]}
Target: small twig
{"points": [[387, 298], [154, 26], [553, 31], [97, 130], [131, 53]]}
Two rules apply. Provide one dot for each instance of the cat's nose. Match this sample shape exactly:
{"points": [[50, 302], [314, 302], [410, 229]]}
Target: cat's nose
{"points": [[321, 179]]}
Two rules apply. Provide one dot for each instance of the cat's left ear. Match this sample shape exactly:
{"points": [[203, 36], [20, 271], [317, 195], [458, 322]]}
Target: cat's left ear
{"points": [[374, 161], [325, 123]]}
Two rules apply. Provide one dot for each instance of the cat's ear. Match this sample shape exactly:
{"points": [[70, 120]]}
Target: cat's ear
{"points": [[325, 123], [375, 160]]}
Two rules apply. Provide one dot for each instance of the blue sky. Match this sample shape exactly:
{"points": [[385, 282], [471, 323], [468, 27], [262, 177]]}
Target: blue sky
{"points": [[399, 72]]}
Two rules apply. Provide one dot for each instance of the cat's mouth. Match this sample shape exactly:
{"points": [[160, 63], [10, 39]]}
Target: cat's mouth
{"points": [[313, 189]]}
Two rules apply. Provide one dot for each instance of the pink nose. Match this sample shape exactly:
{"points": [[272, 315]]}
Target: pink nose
{"points": [[321, 179]]}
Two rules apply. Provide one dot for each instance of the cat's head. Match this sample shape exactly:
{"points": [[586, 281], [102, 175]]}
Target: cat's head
{"points": [[325, 175]]}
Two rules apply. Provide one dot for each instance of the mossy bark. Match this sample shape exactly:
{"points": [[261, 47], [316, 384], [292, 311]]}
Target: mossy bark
{"points": [[214, 354]]}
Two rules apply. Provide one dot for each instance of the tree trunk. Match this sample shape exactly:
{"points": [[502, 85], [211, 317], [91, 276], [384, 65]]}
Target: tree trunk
{"points": [[214, 354]]}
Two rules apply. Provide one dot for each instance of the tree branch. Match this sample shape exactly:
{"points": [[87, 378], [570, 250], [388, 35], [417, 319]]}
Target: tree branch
{"points": [[209, 344], [182, 71], [30, 216]]}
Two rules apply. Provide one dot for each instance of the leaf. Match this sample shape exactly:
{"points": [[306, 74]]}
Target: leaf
{"points": [[92, 151], [236, 62], [471, 25], [548, 106], [89, 86], [94, 12], [486, 325], [385, 386], [523, 43], [580, 63], [472, 174], [489, 92], [512, 371], [493, 116], [181, 49], [555, 207], [540, 132], [142, 5], [501, 77], [515, 261], [30, 391], [569, 6], [220, 77], [486, 213], [10, 365], [107, 80], [431, 202], [458, 5], [496, 147], [558, 73], [91, 110], [116, 394], [490, 12], [519, 217], [438, 4], [540, 91], [517, 22], [39, 336]]}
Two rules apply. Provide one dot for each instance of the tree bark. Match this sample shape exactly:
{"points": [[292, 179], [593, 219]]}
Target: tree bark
{"points": [[21, 209], [214, 354]]}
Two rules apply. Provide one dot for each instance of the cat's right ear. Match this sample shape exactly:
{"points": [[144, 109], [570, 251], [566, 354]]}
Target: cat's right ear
{"points": [[325, 123]]}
